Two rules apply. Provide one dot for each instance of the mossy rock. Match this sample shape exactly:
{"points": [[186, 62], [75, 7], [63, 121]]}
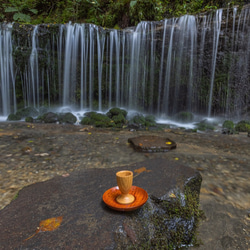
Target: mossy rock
{"points": [[97, 119], [67, 118], [42, 110], [205, 125], [228, 124], [29, 111], [29, 119], [119, 120], [89, 114], [139, 120], [243, 126], [184, 116], [115, 112], [228, 127], [14, 117], [150, 121], [86, 121], [49, 117]]}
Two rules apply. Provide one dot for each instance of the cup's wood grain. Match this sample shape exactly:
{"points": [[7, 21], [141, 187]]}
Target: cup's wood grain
{"points": [[125, 198], [109, 197], [124, 180]]}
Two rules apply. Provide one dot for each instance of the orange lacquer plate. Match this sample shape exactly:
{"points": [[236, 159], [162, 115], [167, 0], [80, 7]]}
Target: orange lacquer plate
{"points": [[109, 197]]}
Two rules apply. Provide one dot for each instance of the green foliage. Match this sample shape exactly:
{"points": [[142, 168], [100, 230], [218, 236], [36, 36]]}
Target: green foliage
{"points": [[107, 13], [20, 10]]}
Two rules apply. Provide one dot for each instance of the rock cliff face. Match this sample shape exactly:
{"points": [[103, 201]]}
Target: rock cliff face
{"points": [[192, 63]]}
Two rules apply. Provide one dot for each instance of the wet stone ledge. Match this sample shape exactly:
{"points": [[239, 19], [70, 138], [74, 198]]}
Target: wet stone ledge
{"points": [[168, 219]]}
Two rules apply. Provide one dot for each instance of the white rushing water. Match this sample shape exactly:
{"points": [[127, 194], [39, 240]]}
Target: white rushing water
{"points": [[7, 76]]}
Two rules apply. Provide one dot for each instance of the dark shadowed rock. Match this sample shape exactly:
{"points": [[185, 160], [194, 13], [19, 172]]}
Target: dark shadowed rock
{"points": [[89, 224], [67, 118], [49, 117], [152, 144]]}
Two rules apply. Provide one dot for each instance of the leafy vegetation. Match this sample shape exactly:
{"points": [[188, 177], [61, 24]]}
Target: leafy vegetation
{"points": [[107, 13]]}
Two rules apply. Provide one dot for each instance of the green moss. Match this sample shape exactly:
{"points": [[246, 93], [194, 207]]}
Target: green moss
{"points": [[243, 126], [228, 127], [97, 119], [29, 111], [116, 111], [170, 223], [228, 124], [29, 119], [119, 120], [150, 121], [67, 118], [86, 121], [15, 196], [49, 117], [14, 117]]}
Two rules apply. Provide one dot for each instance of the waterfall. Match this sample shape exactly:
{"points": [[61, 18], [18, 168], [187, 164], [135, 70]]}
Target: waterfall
{"points": [[217, 27], [7, 76], [197, 63], [34, 68]]}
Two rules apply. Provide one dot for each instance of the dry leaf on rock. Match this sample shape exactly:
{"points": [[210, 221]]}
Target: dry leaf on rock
{"points": [[140, 170], [47, 225]]}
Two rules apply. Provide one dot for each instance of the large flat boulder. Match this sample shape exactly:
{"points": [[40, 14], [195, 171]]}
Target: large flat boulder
{"points": [[88, 223]]}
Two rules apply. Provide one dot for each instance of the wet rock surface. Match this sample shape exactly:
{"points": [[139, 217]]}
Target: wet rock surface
{"points": [[152, 144], [32, 153], [87, 222]]}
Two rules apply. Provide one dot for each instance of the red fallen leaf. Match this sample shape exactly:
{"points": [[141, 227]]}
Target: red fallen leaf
{"points": [[47, 225]]}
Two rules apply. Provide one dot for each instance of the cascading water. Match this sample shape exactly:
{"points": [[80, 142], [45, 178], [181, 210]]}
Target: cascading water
{"points": [[192, 63], [7, 76], [217, 27]]}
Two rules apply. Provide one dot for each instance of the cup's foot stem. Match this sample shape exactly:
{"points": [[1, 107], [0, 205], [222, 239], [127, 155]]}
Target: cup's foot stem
{"points": [[125, 199]]}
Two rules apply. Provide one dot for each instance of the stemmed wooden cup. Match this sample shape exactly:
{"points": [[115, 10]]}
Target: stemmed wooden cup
{"points": [[124, 180]]}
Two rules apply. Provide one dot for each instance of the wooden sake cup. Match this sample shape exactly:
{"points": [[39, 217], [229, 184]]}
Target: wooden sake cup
{"points": [[124, 180]]}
